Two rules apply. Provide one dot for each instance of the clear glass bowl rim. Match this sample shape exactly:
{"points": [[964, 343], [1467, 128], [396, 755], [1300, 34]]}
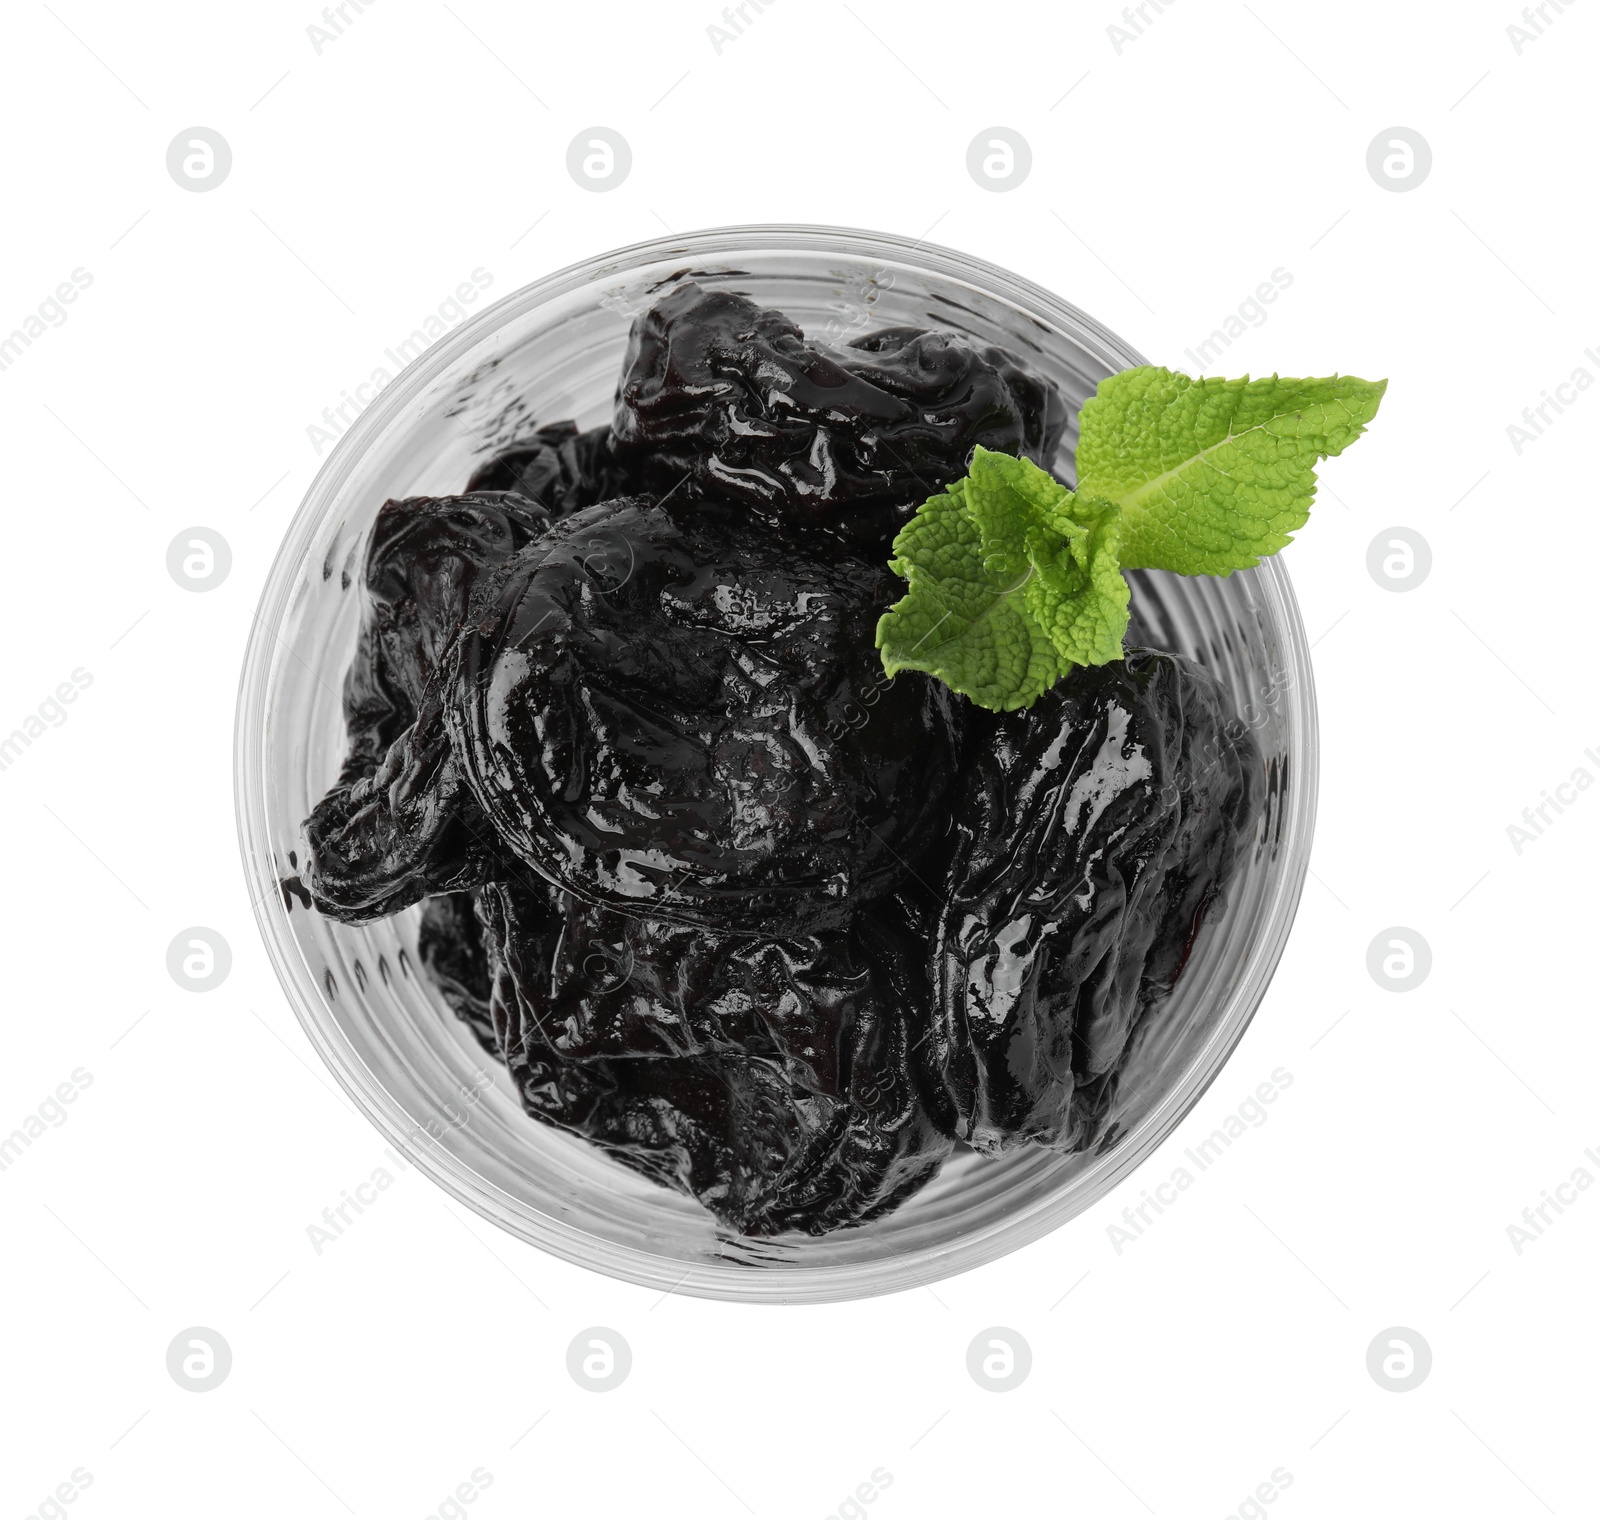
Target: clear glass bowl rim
{"points": [[780, 1284]]}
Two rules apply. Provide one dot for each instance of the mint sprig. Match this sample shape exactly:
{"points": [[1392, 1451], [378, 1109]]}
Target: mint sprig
{"points": [[1014, 579]]}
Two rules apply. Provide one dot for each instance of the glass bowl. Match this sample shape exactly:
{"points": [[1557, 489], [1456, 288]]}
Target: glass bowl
{"points": [[554, 350]]}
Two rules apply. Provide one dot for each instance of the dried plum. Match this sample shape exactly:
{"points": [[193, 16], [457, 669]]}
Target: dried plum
{"points": [[452, 952], [408, 830], [622, 984], [558, 467], [723, 398], [424, 556], [400, 823], [788, 1101], [1092, 831], [700, 729]]}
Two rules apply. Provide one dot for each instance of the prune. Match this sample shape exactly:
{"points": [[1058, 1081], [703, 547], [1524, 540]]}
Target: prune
{"points": [[769, 1079], [423, 559], [452, 952], [558, 467], [622, 984], [1092, 831], [677, 711], [410, 829], [722, 398], [400, 823]]}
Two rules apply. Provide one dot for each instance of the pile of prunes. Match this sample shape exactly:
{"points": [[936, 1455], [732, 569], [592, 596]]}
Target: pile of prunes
{"points": [[768, 927]]}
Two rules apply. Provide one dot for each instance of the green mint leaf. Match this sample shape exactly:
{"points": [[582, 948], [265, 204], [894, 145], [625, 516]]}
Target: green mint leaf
{"points": [[1013, 580], [1213, 475]]}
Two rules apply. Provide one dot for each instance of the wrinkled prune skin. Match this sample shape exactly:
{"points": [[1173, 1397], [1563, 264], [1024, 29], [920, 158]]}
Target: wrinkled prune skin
{"points": [[424, 556], [676, 711], [1092, 832], [560, 468], [410, 829], [401, 823], [722, 398], [451, 950], [622, 984], [769, 1079]]}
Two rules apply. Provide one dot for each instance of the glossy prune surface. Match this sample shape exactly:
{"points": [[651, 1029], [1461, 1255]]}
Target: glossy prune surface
{"points": [[451, 949], [724, 398], [406, 830], [661, 713], [769, 1079], [1093, 830], [558, 467], [400, 824]]}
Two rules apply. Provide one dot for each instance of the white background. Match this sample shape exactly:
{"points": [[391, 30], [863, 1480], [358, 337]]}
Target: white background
{"points": [[1168, 180]]}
